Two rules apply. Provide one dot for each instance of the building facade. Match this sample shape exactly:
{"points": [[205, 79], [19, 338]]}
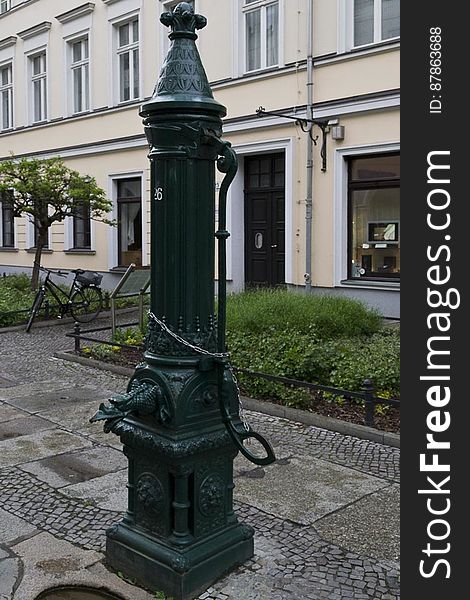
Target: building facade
{"points": [[322, 217]]}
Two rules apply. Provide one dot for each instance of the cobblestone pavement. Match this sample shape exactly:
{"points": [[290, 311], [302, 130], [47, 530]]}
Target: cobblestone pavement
{"points": [[348, 551]]}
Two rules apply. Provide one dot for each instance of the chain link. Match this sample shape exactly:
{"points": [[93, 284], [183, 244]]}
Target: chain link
{"points": [[184, 342]]}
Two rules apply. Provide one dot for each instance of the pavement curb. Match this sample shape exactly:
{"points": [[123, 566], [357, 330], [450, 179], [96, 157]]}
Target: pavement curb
{"points": [[67, 320], [274, 410]]}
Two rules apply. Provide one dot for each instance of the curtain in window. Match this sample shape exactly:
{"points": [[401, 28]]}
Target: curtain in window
{"points": [[272, 35], [390, 19], [363, 22], [253, 40]]}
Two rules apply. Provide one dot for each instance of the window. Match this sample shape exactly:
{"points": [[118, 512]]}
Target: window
{"points": [[38, 87], [35, 236], [5, 5], [6, 97], [82, 227], [129, 205], [7, 228], [261, 34], [128, 60], [374, 217], [80, 75], [375, 21]]}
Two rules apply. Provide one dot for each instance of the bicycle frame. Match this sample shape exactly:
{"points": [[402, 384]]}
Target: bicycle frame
{"points": [[57, 293]]}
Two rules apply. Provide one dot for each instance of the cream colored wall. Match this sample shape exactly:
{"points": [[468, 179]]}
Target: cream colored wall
{"points": [[325, 27], [352, 76], [87, 129], [357, 75], [244, 97]]}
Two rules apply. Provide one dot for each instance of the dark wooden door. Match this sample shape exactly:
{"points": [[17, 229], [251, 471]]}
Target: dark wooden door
{"points": [[265, 220]]}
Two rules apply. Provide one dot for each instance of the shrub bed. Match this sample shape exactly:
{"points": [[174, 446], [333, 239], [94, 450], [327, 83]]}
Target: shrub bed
{"points": [[15, 294]]}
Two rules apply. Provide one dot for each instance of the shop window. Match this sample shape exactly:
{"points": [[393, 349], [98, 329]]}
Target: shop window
{"points": [[374, 217]]}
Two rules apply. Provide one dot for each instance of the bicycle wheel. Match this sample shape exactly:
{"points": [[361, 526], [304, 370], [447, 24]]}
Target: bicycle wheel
{"points": [[35, 309], [86, 304]]}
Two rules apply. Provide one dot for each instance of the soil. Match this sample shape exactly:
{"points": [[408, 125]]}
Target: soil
{"points": [[389, 420]]}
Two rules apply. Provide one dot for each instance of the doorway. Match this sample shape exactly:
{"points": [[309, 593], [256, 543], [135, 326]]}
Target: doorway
{"points": [[265, 220]]}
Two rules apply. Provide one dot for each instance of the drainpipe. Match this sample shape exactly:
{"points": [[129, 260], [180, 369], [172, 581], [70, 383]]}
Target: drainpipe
{"points": [[309, 198]]}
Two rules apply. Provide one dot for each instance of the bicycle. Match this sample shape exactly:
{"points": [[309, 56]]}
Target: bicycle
{"points": [[83, 301]]}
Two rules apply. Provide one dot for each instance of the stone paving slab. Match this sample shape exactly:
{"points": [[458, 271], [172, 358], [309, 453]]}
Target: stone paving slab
{"points": [[23, 426], [39, 386], [60, 401], [351, 527], [38, 445], [108, 492], [13, 528], [79, 421], [78, 466], [7, 412], [293, 560], [9, 575], [79, 417], [326, 488], [47, 561]]}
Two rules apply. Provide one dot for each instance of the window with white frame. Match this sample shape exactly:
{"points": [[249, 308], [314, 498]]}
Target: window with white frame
{"points": [[261, 20], [375, 21], [80, 75], [6, 97], [5, 5], [38, 87], [128, 60], [7, 222]]}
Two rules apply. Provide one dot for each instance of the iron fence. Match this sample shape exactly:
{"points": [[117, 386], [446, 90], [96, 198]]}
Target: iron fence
{"points": [[367, 393]]}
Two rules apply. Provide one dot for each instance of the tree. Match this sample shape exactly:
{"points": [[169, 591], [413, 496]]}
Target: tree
{"points": [[47, 191]]}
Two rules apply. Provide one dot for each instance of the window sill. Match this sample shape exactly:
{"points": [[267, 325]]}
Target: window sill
{"points": [[124, 103], [261, 71], [44, 251], [118, 269], [369, 284], [87, 251], [372, 45], [8, 249]]}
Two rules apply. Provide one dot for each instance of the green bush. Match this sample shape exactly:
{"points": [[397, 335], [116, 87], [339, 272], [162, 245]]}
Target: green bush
{"points": [[15, 294], [323, 316], [342, 363], [328, 340]]}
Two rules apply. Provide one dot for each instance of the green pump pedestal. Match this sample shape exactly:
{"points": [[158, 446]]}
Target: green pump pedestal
{"points": [[179, 420]]}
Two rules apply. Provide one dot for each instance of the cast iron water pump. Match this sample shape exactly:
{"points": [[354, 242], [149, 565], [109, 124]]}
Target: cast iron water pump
{"points": [[179, 420]]}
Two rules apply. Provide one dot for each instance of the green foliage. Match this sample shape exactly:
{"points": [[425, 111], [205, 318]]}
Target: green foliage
{"points": [[41, 183], [162, 596], [48, 191], [327, 340], [131, 336], [323, 316], [342, 363], [15, 294]]}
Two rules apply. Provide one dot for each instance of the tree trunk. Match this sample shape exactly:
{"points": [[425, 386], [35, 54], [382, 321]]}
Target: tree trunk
{"points": [[40, 243]]}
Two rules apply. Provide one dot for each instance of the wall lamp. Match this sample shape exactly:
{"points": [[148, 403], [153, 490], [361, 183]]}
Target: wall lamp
{"points": [[307, 126]]}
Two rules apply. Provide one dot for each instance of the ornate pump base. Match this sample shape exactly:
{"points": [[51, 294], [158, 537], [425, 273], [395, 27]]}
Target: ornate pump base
{"points": [[180, 532]]}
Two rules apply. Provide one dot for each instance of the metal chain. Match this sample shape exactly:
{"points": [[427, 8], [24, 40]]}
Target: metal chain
{"points": [[184, 342]]}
